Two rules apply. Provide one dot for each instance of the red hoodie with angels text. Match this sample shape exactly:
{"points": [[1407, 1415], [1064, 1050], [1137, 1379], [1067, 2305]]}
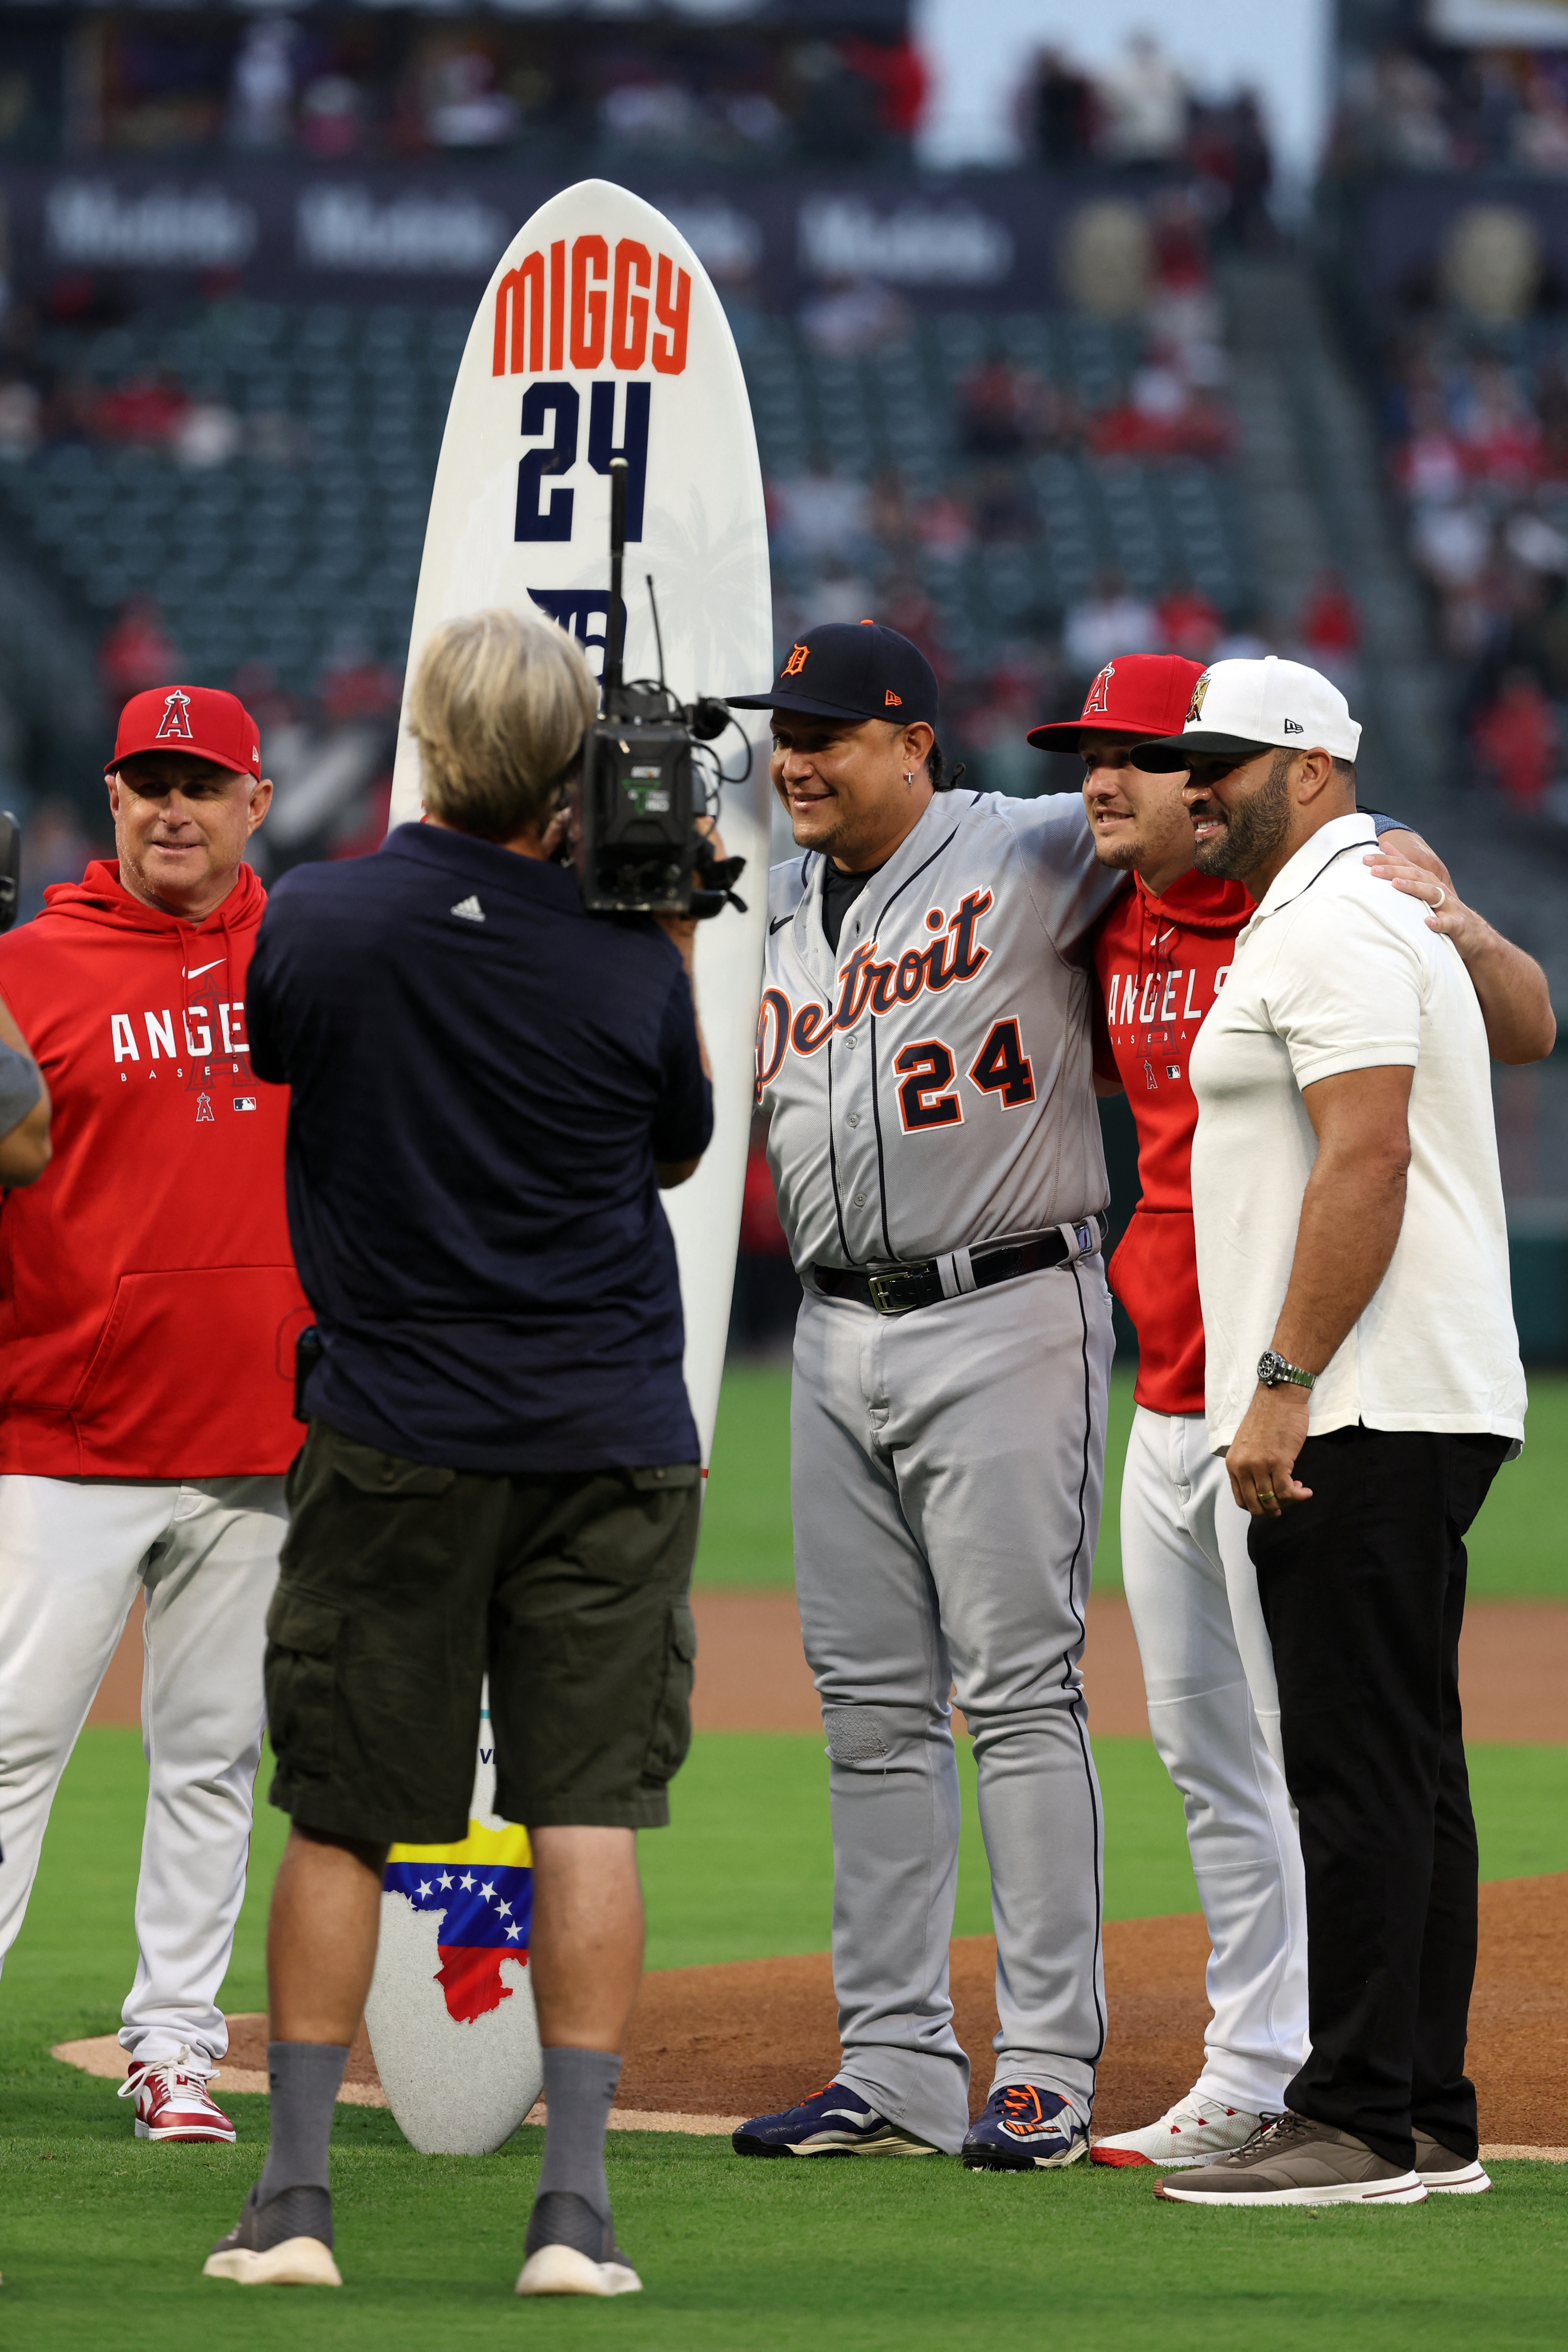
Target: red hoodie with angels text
{"points": [[1161, 962], [148, 1300]]}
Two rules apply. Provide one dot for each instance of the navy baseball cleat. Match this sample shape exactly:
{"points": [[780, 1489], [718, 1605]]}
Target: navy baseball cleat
{"points": [[835, 2121], [1020, 2129]]}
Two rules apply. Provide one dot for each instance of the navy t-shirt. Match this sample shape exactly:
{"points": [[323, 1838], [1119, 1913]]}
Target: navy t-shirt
{"points": [[483, 1076]]}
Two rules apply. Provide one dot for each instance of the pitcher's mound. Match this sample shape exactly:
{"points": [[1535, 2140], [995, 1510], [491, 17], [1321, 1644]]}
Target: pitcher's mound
{"points": [[710, 2045], [756, 2035]]}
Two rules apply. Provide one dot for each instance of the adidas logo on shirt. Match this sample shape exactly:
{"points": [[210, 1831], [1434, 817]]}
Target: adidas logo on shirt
{"points": [[470, 911]]}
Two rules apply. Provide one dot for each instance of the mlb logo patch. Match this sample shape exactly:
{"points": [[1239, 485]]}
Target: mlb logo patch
{"points": [[244, 1102]]}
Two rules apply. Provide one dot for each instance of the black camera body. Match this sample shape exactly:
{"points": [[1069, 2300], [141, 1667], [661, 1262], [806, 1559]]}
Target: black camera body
{"points": [[638, 844], [10, 869], [637, 815]]}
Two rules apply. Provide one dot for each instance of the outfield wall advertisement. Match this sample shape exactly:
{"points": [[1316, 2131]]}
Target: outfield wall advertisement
{"points": [[985, 240]]}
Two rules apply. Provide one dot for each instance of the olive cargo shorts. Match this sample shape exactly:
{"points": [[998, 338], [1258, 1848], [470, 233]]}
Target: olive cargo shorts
{"points": [[404, 1583]]}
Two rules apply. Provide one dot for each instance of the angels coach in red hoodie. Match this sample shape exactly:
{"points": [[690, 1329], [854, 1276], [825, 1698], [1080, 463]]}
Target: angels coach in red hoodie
{"points": [[148, 1309]]}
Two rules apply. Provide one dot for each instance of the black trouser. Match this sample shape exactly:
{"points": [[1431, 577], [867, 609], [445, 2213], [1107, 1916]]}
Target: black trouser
{"points": [[1364, 1593]]}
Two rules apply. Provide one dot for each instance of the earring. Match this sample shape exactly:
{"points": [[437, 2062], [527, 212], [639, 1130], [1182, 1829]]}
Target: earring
{"points": [[909, 775]]}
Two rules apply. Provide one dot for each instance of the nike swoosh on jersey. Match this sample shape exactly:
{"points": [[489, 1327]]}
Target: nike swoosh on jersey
{"points": [[778, 923], [196, 970]]}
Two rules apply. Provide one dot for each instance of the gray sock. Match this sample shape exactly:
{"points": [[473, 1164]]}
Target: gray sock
{"points": [[578, 2085], [303, 2077]]}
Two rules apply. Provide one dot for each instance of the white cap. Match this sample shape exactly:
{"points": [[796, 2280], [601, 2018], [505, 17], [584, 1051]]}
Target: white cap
{"points": [[1247, 706]]}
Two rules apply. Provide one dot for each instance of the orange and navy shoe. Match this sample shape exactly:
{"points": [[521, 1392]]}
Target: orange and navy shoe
{"points": [[172, 2101], [1020, 2129], [835, 2121]]}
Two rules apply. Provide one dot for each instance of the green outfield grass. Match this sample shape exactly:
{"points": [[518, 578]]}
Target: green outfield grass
{"points": [[1519, 1549], [102, 2236], [103, 2239]]}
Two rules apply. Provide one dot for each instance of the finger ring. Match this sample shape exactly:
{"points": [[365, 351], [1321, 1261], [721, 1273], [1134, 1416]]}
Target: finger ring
{"points": [[1265, 1494], [1440, 900]]}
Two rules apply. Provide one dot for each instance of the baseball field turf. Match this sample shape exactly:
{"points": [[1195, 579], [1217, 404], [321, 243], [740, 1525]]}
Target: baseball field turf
{"points": [[1518, 1547], [101, 2237]]}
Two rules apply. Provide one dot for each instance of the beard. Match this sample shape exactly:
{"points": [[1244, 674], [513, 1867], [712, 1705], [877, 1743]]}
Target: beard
{"points": [[1253, 830], [1117, 855]]}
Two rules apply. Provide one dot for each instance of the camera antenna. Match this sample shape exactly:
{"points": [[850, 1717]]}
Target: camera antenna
{"points": [[657, 632], [615, 635]]}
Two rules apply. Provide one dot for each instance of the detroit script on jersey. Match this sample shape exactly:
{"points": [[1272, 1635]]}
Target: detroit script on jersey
{"points": [[929, 1085]]}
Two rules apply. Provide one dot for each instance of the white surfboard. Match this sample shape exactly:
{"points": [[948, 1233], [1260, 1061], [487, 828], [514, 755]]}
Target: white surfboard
{"points": [[598, 336]]}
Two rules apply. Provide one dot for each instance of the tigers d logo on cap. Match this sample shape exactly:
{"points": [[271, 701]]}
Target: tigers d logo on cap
{"points": [[859, 670]]}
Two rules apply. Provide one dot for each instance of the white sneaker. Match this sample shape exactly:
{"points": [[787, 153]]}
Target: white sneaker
{"points": [[172, 2101], [561, 2270], [1195, 2131], [573, 2251]]}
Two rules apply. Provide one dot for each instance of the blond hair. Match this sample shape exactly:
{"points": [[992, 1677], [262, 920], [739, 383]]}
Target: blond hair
{"points": [[500, 703]]}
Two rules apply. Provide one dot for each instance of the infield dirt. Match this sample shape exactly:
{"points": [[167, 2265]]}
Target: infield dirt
{"points": [[752, 2035], [752, 1676]]}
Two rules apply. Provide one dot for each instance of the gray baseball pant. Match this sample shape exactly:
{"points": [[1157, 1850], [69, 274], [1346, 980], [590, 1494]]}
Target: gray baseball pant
{"points": [[946, 1472]]}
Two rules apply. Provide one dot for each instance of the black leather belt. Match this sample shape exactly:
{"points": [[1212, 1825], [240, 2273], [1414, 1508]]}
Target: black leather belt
{"points": [[899, 1289]]}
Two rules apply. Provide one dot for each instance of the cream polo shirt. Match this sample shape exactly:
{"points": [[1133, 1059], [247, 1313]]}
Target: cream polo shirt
{"points": [[1337, 972]]}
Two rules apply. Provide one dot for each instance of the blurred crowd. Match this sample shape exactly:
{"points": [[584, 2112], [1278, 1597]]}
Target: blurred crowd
{"points": [[1427, 108], [396, 82], [1140, 114], [1479, 434], [40, 404], [845, 545]]}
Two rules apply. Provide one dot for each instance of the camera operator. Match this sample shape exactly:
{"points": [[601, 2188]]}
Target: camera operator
{"points": [[487, 1087], [23, 1110]]}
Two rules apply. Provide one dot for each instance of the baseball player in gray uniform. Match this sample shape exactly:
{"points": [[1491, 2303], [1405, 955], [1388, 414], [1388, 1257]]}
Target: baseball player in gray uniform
{"points": [[924, 1055]]}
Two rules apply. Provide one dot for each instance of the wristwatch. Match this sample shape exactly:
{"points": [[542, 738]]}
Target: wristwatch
{"points": [[1272, 1370]]}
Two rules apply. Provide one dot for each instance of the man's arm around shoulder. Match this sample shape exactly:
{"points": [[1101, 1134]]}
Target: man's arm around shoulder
{"points": [[1511, 988]]}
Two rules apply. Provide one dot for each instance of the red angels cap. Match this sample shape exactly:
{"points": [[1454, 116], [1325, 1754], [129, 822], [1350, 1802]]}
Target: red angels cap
{"points": [[199, 720], [1135, 696]]}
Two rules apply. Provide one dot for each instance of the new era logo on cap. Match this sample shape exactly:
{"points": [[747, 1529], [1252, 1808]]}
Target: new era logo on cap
{"points": [[1241, 708]]}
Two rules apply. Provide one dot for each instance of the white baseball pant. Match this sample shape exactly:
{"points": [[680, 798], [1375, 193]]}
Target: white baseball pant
{"points": [[73, 1556], [1214, 1710], [945, 1481]]}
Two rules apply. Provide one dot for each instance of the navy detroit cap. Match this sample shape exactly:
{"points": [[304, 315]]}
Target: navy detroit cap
{"points": [[851, 669]]}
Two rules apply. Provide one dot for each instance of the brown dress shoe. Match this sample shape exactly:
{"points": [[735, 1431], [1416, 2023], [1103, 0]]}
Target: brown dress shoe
{"points": [[1291, 2160]]}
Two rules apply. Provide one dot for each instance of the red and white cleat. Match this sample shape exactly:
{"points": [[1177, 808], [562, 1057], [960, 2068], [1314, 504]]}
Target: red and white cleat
{"points": [[1195, 2131], [172, 2102]]}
